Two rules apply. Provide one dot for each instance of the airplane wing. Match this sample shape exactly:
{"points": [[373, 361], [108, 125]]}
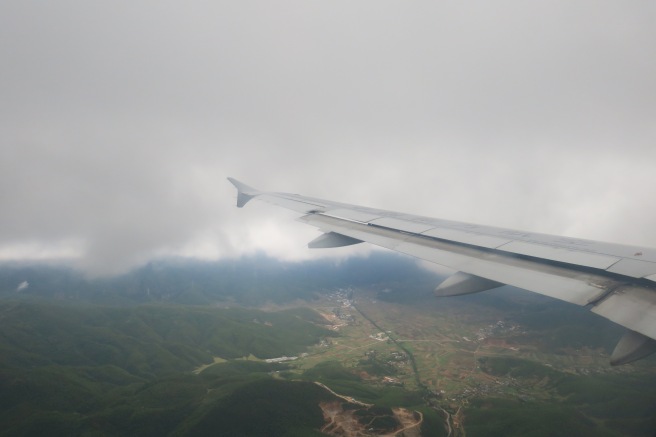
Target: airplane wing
{"points": [[615, 281]]}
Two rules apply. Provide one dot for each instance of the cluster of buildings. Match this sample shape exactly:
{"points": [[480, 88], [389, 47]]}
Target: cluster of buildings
{"points": [[342, 295], [498, 387], [344, 298], [498, 328], [395, 360], [281, 359], [344, 316], [381, 336]]}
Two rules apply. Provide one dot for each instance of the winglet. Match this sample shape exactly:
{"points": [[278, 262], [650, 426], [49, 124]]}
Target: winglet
{"points": [[244, 192]]}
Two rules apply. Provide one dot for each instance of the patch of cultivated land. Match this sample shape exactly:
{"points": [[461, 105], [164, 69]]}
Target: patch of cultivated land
{"points": [[457, 350], [447, 344]]}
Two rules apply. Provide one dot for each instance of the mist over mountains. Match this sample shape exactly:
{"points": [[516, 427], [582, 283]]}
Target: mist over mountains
{"points": [[253, 280]]}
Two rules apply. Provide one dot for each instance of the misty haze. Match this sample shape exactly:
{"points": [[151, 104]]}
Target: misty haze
{"points": [[137, 299]]}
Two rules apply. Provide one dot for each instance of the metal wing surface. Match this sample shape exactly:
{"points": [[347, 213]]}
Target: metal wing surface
{"points": [[615, 281]]}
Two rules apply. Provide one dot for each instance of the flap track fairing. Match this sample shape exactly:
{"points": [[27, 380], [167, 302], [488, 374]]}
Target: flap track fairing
{"points": [[632, 347], [463, 283], [332, 239]]}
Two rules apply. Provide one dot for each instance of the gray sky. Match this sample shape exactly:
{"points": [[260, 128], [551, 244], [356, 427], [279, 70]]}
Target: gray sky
{"points": [[119, 121]]}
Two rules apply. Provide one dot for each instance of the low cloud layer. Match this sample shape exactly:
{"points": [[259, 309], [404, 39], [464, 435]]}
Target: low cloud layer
{"points": [[120, 122]]}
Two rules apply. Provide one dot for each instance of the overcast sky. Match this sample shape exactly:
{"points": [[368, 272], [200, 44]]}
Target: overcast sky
{"points": [[119, 121]]}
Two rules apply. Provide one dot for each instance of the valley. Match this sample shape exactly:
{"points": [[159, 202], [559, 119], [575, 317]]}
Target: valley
{"points": [[345, 356]]}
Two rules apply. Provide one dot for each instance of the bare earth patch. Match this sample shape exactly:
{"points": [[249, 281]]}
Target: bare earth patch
{"points": [[352, 420]]}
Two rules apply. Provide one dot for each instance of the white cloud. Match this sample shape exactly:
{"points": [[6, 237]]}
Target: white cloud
{"points": [[119, 124]]}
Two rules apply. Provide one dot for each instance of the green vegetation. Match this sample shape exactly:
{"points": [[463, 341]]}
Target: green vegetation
{"points": [[265, 408], [625, 403], [346, 382], [233, 399], [72, 370], [504, 418], [608, 405], [68, 370], [136, 355], [147, 340], [516, 367]]}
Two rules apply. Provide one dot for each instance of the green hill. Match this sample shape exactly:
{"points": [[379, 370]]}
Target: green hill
{"points": [[66, 370]]}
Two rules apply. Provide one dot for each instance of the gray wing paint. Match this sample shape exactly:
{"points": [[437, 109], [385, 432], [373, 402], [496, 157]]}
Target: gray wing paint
{"points": [[615, 281]]}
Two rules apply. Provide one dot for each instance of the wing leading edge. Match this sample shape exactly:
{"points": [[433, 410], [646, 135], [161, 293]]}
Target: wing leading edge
{"points": [[615, 281]]}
